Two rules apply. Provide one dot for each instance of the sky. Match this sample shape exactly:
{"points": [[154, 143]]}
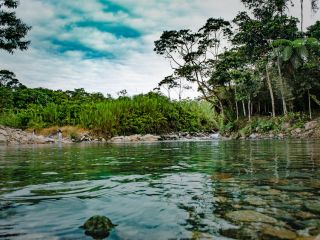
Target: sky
{"points": [[107, 45]]}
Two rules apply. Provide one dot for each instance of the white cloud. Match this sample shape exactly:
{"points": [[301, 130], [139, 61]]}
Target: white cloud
{"points": [[137, 68]]}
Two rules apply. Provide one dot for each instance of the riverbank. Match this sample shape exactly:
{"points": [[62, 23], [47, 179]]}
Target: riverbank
{"points": [[73, 134]]}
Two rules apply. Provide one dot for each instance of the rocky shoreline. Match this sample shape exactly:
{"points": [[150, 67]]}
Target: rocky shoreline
{"points": [[17, 136], [11, 136]]}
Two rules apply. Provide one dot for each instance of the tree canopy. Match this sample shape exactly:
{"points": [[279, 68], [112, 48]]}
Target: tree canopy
{"points": [[12, 29], [259, 61]]}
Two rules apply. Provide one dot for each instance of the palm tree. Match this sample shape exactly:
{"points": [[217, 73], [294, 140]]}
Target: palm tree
{"points": [[295, 54], [314, 9], [301, 17]]}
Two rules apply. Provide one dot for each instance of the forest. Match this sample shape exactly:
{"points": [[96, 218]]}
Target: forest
{"points": [[260, 63], [263, 67]]}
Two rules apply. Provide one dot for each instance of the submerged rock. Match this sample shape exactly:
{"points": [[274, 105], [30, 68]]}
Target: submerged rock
{"points": [[313, 225], [98, 226], [274, 233], [305, 215], [240, 233], [270, 192], [293, 188], [5, 205], [308, 238], [249, 216], [313, 206], [255, 201]]}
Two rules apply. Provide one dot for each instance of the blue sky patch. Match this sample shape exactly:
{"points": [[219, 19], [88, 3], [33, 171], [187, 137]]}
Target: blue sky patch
{"points": [[89, 53], [117, 30], [113, 7]]}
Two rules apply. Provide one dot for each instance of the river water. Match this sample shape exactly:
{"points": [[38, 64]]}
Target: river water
{"points": [[164, 190]]}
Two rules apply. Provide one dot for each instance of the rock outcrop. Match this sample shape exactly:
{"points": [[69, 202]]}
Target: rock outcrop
{"points": [[17, 136]]}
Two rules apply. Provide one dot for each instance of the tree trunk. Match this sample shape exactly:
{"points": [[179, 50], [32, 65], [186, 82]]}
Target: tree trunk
{"points": [[301, 19], [284, 106], [249, 108], [244, 109], [271, 92], [235, 99], [309, 100], [265, 107], [221, 108], [237, 110], [180, 90]]}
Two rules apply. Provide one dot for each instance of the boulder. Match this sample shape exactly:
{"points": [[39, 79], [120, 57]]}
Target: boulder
{"points": [[276, 233], [255, 201], [311, 125], [253, 136], [249, 216], [170, 137], [313, 206], [149, 138], [118, 139], [98, 227], [297, 131], [215, 136], [286, 126]]}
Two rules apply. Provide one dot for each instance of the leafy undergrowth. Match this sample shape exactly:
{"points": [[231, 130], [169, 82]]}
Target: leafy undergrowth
{"points": [[262, 125]]}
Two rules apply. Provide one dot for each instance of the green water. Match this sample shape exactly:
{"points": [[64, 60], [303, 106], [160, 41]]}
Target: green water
{"points": [[168, 190]]}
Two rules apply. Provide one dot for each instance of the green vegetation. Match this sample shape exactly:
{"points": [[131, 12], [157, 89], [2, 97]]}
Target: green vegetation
{"points": [[258, 64], [149, 113], [255, 74]]}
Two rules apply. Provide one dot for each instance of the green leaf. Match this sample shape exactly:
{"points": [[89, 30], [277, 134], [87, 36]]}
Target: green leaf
{"points": [[296, 62], [287, 53], [281, 42], [303, 52], [298, 43]]}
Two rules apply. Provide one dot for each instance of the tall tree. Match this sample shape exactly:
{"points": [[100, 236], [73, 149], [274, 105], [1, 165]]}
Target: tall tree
{"points": [[192, 55], [314, 9], [314, 30], [255, 35]]}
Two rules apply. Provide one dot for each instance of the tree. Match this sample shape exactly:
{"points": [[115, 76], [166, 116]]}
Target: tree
{"points": [[292, 55], [254, 35], [314, 30], [8, 85], [192, 55], [8, 79], [12, 30], [12, 34], [264, 9], [172, 82]]}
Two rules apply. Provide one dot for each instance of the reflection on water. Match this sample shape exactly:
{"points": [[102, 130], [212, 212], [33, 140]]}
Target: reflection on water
{"points": [[191, 190]]}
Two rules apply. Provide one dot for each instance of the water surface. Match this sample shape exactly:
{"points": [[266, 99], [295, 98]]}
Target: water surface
{"points": [[168, 190]]}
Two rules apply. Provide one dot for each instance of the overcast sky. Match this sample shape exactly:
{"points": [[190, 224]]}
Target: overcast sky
{"points": [[107, 45]]}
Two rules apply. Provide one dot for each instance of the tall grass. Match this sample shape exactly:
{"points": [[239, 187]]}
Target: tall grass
{"points": [[150, 113]]}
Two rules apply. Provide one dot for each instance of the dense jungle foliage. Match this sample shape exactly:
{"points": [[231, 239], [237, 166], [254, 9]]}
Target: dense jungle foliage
{"points": [[259, 63], [38, 108]]}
